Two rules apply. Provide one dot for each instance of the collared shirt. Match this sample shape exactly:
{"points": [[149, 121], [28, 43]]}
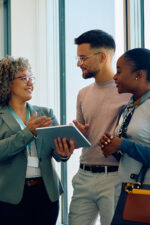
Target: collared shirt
{"points": [[33, 169], [138, 132]]}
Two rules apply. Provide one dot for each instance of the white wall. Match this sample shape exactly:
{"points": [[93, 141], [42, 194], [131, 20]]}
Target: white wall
{"points": [[32, 39], [34, 33], [82, 16]]}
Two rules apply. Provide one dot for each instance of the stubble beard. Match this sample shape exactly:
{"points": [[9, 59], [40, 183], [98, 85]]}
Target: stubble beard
{"points": [[89, 75]]}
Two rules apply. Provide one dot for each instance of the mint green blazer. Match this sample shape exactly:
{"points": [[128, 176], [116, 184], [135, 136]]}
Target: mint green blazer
{"points": [[13, 157]]}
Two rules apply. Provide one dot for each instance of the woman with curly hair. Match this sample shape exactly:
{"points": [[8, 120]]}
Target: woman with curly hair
{"points": [[29, 185]]}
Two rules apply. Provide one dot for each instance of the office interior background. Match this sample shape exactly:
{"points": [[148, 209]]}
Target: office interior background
{"points": [[44, 30]]}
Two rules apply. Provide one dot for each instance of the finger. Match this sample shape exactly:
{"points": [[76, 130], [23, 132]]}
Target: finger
{"points": [[59, 150], [60, 144], [37, 122], [77, 124], [66, 146], [56, 144], [41, 121], [102, 146], [106, 139], [72, 146], [47, 123], [109, 136], [86, 126], [33, 116], [102, 141]]}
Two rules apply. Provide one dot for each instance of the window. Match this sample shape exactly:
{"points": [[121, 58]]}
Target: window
{"points": [[134, 23], [146, 23], [41, 47], [82, 16], [4, 27]]}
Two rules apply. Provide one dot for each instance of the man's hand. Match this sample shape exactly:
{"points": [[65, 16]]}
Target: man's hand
{"points": [[34, 123], [82, 128], [109, 144], [64, 148]]}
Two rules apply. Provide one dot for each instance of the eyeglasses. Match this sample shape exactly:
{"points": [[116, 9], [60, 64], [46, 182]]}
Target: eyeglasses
{"points": [[82, 59], [25, 79]]}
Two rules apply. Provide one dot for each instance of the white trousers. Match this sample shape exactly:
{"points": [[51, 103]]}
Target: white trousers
{"points": [[93, 194]]}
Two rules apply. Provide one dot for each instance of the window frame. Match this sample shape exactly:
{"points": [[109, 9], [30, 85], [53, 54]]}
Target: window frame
{"points": [[7, 27], [134, 23]]}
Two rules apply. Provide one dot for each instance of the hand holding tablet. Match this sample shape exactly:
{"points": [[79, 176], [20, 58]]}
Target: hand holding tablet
{"points": [[67, 131]]}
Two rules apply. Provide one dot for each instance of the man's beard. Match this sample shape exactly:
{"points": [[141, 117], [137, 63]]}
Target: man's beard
{"points": [[90, 75]]}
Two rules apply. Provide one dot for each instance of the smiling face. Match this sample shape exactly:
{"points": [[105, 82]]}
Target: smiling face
{"points": [[125, 78], [89, 60], [21, 87]]}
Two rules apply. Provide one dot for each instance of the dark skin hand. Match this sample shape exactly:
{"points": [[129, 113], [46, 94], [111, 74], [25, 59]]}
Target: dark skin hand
{"points": [[64, 147], [82, 128], [109, 144]]}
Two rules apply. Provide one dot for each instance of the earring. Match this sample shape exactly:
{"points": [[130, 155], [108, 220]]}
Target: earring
{"points": [[136, 78]]}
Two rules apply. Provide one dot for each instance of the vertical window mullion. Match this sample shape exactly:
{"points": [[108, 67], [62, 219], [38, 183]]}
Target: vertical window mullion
{"points": [[134, 23], [7, 28], [64, 198]]}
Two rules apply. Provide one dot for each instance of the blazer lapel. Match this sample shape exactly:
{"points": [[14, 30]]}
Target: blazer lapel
{"points": [[9, 119], [15, 127], [38, 139]]}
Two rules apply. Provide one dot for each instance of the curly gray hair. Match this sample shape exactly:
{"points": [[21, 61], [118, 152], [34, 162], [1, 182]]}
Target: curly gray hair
{"points": [[9, 67]]}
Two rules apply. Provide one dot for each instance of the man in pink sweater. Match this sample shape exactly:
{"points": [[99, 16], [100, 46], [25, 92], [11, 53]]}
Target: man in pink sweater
{"points": [[98, 106]]}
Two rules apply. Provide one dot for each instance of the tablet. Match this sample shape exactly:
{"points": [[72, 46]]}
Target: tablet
{"points": [[68, 131]]}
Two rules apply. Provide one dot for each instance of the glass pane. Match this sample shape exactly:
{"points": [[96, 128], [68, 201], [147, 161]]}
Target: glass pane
{"points": [[119, 29], [82, 16], [146, 23]]}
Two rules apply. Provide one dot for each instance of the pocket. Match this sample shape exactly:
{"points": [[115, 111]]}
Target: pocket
{"points": [[74, 179]]}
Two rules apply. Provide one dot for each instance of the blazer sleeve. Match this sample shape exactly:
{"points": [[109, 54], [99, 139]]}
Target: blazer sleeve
{"points": [[138, 152], [14, 144], [49, 113]]}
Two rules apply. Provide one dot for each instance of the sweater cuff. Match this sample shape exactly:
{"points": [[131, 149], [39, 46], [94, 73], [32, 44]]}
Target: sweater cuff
{"points": [[124, 146]]}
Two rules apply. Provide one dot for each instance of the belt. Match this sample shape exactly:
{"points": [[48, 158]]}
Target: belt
{"points": [[98, 168], [33, 181]]}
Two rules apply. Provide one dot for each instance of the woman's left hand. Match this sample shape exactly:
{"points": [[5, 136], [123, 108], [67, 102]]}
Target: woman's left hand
{"points": [[109, 144], [64, 148]]}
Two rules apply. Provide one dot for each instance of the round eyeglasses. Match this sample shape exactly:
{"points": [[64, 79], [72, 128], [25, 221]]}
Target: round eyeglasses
{"points": [[25, 79], [83, 58]]}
